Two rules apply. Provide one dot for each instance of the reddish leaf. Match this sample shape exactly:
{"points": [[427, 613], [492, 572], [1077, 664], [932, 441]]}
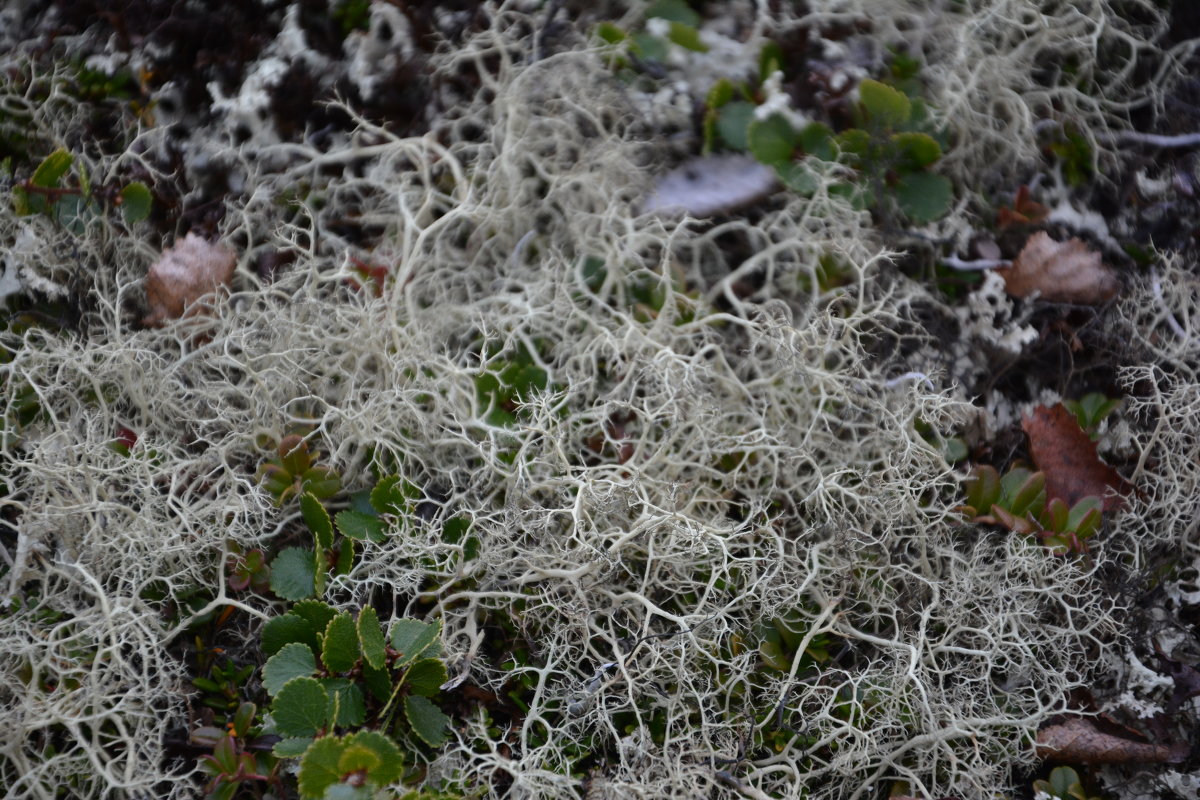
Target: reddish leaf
{"points": [[186, 273], [1079, 741], [1067, 455]]}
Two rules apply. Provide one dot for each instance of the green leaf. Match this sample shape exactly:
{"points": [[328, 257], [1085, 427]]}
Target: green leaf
{"points": [[426, 677], [319, 767], [885, 106], [426, 719], [345, 559], [339, 649], [391, 761], [294, 660], [413, 638], [720, 94], [817, 140], [687, 37], [320, 572], [135, 202], [609, 33], [371, 638], [23, 202], [73, 212], [378, 682], [916, 150], [770, 59], [675, 11], [364, 527], [393, 495], [650, 47], [854, 142], [347, 708], [316, 612], [924, 196], [356, 758], [772, 140], [323, 482], [292, 574], [347, 791], [291, 747], [318, 521], [285, 629], [1086, 516], [1031, 495], [52, 168], [733, 124], [301, 708], [798, 177]]}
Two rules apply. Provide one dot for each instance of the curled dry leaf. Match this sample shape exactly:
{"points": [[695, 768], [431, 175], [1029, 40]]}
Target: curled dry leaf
{"points": [[710, 185], [1068, 457], [1080, 741], [1061, 272], [184, 273]]}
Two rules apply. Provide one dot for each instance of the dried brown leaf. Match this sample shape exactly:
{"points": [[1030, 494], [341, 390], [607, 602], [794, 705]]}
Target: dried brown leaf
{"points": [[1061, 272], [1068, 456], [1079, 741], [185, 273]]}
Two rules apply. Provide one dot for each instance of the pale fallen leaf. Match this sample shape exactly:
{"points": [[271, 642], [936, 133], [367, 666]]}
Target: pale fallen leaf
{"points": [[1068, 457], [184, 273], [710, 185], [1061, 272], [1079, 741]]}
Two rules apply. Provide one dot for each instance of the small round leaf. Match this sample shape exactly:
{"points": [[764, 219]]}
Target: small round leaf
{"points": [[301, 708], [293, 573]]}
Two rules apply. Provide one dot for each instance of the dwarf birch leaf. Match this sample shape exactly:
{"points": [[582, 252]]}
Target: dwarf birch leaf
{"points": [[426, 676], [347, 707], [317, 612], [924, 197], [772, 140], [292, 574], [364, 527], [301, 708], [426, 719], [413, 637], [887, 107], [285, 629], [339, 650], [371, 639], [733, 123], [391, 764], [292, 746], [294, 660], [319, 767], [317, 519]]}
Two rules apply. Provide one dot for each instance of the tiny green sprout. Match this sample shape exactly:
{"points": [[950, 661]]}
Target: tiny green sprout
{"points": [[1091, 409]]}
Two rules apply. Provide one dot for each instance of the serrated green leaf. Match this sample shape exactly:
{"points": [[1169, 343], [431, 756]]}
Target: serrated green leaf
{"points": [[319, 767], [413, 638], [294, 660], [378, 682], [285, 629], [364, 527], [317, 519], [291, 747], [425, 677], [924, 197], [347, 707], [301, 708], [687, 37], [733, 124], [772, 140], [339, 649], [53, 167], [720, 94], [393, 495], [916, 150], [650, 47], [391, 762], [426, 719], [292, 574], [320, 572], [885, 106], [357, 758], [371, 638], [674, 11], [135, 202], [854, 143], [318, 613]]}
